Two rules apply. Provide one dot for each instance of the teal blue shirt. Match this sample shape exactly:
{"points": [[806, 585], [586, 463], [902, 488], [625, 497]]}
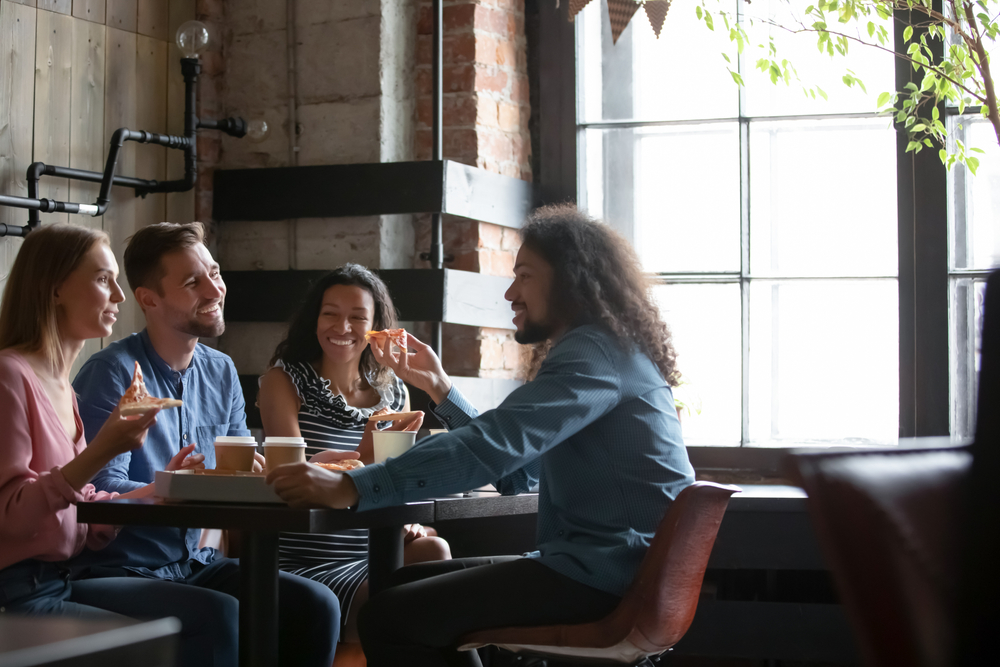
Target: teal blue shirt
{"points": [[598, 431]]}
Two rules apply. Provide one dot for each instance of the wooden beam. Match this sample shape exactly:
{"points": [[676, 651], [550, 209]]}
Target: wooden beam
{"points": [[329, 191]]}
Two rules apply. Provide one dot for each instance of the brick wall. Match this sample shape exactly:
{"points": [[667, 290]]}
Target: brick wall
{"points": [[485, 114]]}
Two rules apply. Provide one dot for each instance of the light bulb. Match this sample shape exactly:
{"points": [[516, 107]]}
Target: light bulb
{"points": [[256, 130], [192, 38]]}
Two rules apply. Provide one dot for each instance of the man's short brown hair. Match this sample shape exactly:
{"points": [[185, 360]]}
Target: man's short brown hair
{"points": [[147, 247]]}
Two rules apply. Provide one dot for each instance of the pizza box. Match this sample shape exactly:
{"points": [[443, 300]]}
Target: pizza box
{"points": [[215, 486]]}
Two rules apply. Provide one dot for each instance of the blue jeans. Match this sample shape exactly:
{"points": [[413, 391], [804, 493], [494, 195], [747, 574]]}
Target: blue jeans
{"points": [[308, 619]]}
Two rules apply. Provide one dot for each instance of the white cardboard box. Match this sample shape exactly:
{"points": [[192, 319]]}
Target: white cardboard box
{"points": [[214, 487]]}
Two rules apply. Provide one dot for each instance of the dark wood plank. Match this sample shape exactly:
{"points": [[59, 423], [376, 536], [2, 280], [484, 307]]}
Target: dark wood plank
{"points": [[326, 191], [245, 516]]}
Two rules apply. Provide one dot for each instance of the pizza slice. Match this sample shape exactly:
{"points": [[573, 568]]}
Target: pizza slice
{"points": [[137, 400], [397, 336], [340, 466]]}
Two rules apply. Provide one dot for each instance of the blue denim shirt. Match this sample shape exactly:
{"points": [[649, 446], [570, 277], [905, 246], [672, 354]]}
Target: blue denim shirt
{"points": [[597, 429], [213, 406]]}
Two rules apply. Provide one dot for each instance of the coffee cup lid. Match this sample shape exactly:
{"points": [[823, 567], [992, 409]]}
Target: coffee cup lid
{"points": [[246, 440], [285, 441]]}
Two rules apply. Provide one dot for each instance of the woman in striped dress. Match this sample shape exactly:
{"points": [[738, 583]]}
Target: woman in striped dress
{"points": [[323, 385]]}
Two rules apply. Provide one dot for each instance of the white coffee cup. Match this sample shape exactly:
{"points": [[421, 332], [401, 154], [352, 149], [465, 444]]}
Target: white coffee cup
{"points": [[279, 450], [234, 452], [390, 444]]}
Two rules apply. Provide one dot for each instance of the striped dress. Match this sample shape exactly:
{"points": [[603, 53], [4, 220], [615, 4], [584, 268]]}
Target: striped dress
{"points": [[338, 560]]}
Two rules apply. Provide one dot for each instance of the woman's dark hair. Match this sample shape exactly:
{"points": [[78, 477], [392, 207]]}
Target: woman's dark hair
{"points": [[301, 344], [597, 279]]}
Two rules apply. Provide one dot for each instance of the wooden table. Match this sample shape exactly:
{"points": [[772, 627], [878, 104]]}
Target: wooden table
{"points": [[32, 641], [259, 526]]}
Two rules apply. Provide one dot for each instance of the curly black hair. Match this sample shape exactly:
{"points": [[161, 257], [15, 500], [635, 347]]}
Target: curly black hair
{"points": [[301, 344], [597, 279]]}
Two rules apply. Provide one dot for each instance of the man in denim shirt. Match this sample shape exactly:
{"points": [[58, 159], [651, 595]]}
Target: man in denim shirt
{"points": [[595, 426], [178, 286]]}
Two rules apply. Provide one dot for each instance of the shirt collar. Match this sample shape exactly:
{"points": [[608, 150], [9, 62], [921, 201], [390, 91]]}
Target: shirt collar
{"points": [[157, 361]]}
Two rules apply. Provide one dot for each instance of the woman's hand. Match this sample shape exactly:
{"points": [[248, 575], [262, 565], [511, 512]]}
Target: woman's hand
{"points": [[306, 485], [332, 456], [123, 434], [412, 531], [422, 369], [185, 460]]}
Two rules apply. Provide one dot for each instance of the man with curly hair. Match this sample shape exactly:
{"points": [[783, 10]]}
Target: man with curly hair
{"points": [[595, 427]]}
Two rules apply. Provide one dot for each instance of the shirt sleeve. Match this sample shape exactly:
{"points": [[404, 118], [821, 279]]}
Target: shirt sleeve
{"points": [[29, 500], [238, 411], [577, 385], [99, 386]]}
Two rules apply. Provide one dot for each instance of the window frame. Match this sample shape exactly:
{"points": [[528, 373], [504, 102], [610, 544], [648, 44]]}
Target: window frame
{"points": [[924, 273]]}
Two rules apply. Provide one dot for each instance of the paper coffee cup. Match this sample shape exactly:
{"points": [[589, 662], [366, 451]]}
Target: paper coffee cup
{"points": [[281, 450], [390, 444], [234, 452]]}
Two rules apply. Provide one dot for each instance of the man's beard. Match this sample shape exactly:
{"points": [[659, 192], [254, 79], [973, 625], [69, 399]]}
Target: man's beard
{"points": [[192, 327], [533, 332]]}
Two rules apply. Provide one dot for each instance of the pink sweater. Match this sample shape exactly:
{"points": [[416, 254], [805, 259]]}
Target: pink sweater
{"points": [[37, 514]]}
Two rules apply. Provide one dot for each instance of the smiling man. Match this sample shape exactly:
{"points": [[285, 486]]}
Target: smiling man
{"points": [[595, 427], [177, 284]]}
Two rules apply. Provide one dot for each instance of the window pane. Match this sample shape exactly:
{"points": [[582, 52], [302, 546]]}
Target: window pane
{"points": [[642, 77], [873, 66], [817, 207], [673, 191], [824, 361], [705, 321], [967, 298], [975, 209]]}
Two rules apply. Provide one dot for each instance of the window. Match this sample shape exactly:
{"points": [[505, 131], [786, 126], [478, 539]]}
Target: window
{"points": [[769, 219]]}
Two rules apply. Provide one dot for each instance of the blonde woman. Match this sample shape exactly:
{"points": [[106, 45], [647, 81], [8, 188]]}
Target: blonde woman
{"points": [[62, 291]]}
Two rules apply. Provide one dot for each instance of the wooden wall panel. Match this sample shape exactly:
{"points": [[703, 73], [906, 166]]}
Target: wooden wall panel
{"points": [[87, 148], [151, 115], [120, 111], [121, 14], [90, 10], [180, 205], [154, 19], [53, 85], [58, 6], [17, 81], [17, 59]]}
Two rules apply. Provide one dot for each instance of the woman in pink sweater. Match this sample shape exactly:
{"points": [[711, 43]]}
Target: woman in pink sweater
{"points": [[62, 290]]}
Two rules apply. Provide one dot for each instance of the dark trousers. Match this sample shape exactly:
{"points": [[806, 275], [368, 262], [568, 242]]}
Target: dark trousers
{"points": [[417, 620], [308, 615]]}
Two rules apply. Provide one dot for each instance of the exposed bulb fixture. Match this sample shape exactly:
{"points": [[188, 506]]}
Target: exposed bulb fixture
{"points": [[192, 38], [256, 130]]}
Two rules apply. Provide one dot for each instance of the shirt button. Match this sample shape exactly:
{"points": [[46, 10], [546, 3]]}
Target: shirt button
{"points": [[376, 488], [421, 483], [185, 436]]}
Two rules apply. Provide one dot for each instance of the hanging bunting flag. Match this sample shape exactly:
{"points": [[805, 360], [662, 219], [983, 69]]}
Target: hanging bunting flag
{"points": [[620, 12], [575, 6], [656, 12]]}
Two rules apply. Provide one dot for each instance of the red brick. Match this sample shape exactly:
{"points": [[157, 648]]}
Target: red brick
{"points": [[423, 141], [213, 64], [464, 261], [510, 169], [495, 145], [460, 17], [486, 112], [460, 143], [210, 9], [491, 20], [460, 356], [507, 53], [425, 50], [519, 91], [490, 236], [462, 48], [511, 240], [486, 50], [490, 80], [510, 117], [459, 110], [209, 148], [425, 20], [425, 83]]}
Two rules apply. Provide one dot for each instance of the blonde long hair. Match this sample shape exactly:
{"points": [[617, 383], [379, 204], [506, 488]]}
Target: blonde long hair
{"points": [[28, 320]]}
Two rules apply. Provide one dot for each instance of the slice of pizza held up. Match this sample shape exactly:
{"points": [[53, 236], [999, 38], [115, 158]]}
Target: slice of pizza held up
{"points": [[340, 466], [397, 336], [137, 400]]}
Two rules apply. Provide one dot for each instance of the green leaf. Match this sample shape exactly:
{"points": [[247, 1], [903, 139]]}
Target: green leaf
{"points": [[737, 78], [973, 164], [907, 33], [709, 22], [883, 99]]}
